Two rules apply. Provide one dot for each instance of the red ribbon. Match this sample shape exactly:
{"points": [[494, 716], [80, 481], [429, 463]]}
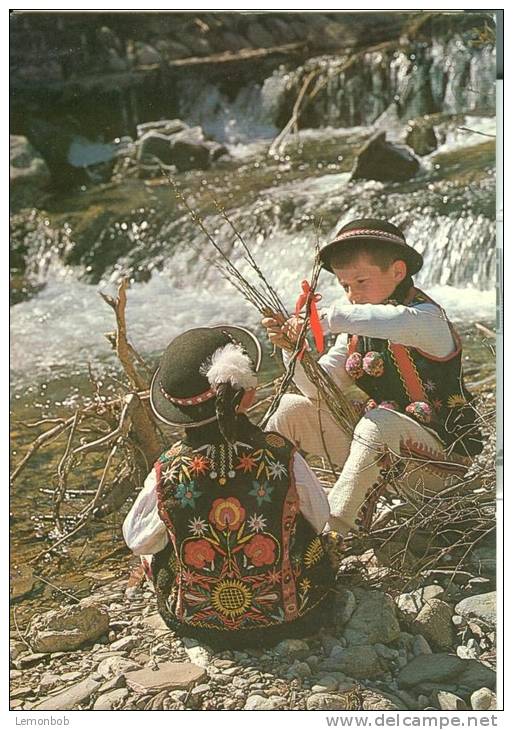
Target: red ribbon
{"points": [[308, 297]]}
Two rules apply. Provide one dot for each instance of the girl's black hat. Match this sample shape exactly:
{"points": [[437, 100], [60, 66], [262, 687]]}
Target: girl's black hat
{"points": [[371, 230], [180, 391]]}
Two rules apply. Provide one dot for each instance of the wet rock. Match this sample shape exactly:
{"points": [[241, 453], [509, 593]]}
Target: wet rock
{"points": [[29, 177], [382, 160], [111, 700], [154, 147], [439, 669], [172, 675], [434, 622], [257, 702], [481, 607], [67, 629], [421, 137], [448, 701], [190, 151], [70, 698], [483, 699], [146, 55], [373, 621], [115, 665]]}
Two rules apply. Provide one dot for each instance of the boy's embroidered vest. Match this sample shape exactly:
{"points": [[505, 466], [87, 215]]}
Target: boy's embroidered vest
{"points": [[243, 556], [428, 389]]}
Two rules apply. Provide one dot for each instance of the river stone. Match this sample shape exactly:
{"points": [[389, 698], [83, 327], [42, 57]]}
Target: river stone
{"points": [[412, 602], [382, 160], [115, 665], [483, 699], [189, 150], [171, 675], [257, 702], [420, 646], [68, 628], [374, 620], [434, 622], [163, 126], [70, 698], [421, 137], [481, 607], [448, 701], [109, 700], [356, 661], [29, 176], [444, 668], [125, 644], [292, 648]]}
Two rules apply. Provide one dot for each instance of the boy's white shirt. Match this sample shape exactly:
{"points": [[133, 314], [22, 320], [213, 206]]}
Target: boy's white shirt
{"points": [[424, 326], [146, 534]]}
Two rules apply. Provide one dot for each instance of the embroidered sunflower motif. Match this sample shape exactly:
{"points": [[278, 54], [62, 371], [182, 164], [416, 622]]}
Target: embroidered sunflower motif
{"points": [[274, 440], [313, 553], [454, 401], [231, 598]]}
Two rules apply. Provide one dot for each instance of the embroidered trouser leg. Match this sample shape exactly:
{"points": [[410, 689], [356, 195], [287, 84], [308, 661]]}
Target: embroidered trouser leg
{"points": [[386, 447]]}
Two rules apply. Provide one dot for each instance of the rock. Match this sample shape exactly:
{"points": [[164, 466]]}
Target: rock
{"points": [[483, 699], [70, 698], [156, 623], [326, 684], [21, 580], [189, 150], [481, 607], [68, 628], [125, 644], [70, 676], [379, 701], [421, 137], [49, 680], [21, 692], [343, 608], [111, 700], [115, 665], [115, 683], [16, 648], [355, 661], [434, 622], [165, 127], [29, 177], [292, 648], [385, 652], [257, 702], [154, 147], [171, 675], [458, 620], [443, 668], [448, 701], [28, 660], [200, 655], [465, 653], [413, 602], [327, 701], [381, 160], [420, 646], [197, 694], [373, 621], [146, 55]]}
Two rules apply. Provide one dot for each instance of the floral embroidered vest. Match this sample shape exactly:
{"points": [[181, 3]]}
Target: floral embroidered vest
{"points": [[428, 389], [243, 556]]}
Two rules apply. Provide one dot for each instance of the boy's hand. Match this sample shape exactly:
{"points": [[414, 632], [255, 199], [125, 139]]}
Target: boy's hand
{"points": [[282, 333]]}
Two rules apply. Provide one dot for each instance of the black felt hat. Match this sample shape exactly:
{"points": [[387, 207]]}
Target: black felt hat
{"points": [[371, 230], [180, 392]]}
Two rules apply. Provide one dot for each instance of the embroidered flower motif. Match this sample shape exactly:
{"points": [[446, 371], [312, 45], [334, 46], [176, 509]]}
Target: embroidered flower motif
{"points": [[257, 523], [277, 470], [370, 405], [198, 553], [305, 585], [173, 451], [170, 471], [313, 553], [373, 364], [429, 386], [199, 464], [455, 401], [187, 493], [354, 366], [231, 598], [390, 405], [273, 576], [262, 491], [246, 463], [420, 410], [197, 526], [260, 550], [227, 514]]}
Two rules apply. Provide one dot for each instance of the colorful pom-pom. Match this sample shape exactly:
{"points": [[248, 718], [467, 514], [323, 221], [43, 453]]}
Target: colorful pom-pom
{"points": [[354, 365], [373, 364], [420, 410]]}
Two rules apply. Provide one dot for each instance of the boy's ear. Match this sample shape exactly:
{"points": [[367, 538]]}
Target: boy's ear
{"points": [[400, 270]]}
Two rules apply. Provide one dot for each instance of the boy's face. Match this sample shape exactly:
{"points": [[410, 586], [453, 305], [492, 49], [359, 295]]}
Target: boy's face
{"points": [[365, 283]]}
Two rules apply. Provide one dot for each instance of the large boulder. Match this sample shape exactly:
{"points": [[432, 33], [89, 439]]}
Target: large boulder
{"points": [[434, 622], [68, 628], [28, 173], [383, 161]]}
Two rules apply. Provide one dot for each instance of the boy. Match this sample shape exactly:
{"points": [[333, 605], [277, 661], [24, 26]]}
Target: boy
{"points": [[399, 348]]}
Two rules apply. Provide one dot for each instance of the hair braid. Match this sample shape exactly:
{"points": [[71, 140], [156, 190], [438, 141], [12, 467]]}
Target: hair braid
{"points": [[227, 400]]}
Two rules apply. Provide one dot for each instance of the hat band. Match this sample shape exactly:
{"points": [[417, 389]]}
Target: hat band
{"points": [[193, 400], [370, 232]]}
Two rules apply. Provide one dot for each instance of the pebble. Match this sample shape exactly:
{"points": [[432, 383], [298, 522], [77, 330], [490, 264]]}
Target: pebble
{"points": [[111, 699], [483, 699]]}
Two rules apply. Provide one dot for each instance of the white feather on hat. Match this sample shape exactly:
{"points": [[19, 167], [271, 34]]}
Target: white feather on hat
{"points": [[230, 364]]}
